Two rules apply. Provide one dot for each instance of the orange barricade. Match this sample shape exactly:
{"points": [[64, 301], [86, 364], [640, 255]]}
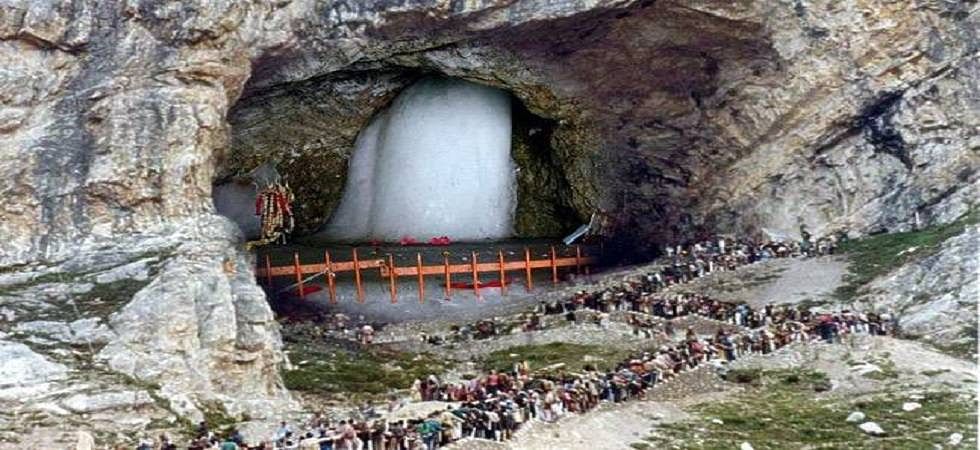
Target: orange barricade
{"points": [[388, 269]]}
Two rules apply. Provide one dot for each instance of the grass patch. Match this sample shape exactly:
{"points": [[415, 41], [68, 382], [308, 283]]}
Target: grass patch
{"points": [[874, 256], [744, 376], [798, 378], [780, 415], [573, 356], [106, 298], [364, 374], [888, 370]]}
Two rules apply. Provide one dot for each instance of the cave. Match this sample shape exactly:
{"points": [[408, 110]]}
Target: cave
{"points": [[380, 155]]}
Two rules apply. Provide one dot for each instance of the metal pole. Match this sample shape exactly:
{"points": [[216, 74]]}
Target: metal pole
{"points": [[554, 266], [527, 269], [418, 259], [392, 279], [331, 287], [476, 277], [503, 275], [299, 275], [357, 277], [268, 270], [449, 278]]}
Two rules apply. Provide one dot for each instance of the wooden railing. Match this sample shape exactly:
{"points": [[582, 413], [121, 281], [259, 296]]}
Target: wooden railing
{"points": [[388, 269]]}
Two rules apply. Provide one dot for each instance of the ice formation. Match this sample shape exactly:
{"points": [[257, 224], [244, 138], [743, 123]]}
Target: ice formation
{"points": [[436, 163]]}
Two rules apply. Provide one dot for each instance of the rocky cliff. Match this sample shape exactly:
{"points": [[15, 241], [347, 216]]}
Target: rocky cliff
{"points": [[672, 117]]}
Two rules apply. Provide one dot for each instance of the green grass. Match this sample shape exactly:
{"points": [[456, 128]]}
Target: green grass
{"points": [[571, 355], [778, 414], [106, 298], [800, 379], [360, 374], [874, 256], [888, 370]]}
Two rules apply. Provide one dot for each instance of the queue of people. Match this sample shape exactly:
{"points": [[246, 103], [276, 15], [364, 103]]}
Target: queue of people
{"points": [[495, 405]]}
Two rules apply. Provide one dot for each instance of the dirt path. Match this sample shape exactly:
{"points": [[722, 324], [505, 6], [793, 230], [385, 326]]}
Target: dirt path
{"points": [[796, 280]]}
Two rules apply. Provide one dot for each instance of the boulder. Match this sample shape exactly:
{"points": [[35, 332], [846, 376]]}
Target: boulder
{"points": [[872, 428], [955, 439], [855, 417], [910, 406]]}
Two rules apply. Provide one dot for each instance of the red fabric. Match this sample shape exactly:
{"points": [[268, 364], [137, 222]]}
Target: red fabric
{"points": [[259, 202], [407, 240], [309, 289], [483, 284], [442, 240], [281, 201]]}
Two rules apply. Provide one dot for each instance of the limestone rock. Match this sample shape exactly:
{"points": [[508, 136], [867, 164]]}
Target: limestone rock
{"points": [[910, 406], [24, 372], [87, 403], [955, 439], [855, 417], [872, 428], [941, 309], [85, 441], [215, 322]]}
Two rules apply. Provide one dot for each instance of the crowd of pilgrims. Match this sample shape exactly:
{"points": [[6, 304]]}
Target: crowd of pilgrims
{"points": [[494, 405]]}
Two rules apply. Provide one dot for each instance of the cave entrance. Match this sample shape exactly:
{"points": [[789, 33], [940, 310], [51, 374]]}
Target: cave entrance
{"points": [[383, 155], [380, 156]]}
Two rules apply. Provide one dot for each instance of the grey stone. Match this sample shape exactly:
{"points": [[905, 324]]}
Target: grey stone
{"points": [[24, 372], [872, 428], [955, 439], [910, 406], [101, 401]]}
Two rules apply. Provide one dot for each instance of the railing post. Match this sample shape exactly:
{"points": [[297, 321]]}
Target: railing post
{"points": [[476, 277], [299, 275], [357, 277], [578, 260], [449, 278], [268, 270], [331, 287], [503, 275], [527, 269], [392, 279], [554, 266], [418, 260]]}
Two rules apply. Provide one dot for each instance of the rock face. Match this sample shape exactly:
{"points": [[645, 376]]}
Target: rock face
{"points": [[672, 117], [215, 320], [938, 308]]}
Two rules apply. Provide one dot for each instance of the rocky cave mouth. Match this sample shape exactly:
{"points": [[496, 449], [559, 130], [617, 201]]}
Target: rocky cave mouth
{"points": [[384, 155]]}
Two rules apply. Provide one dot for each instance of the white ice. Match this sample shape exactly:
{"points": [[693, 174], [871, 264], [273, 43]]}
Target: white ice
{"points": [[436, 163]]}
